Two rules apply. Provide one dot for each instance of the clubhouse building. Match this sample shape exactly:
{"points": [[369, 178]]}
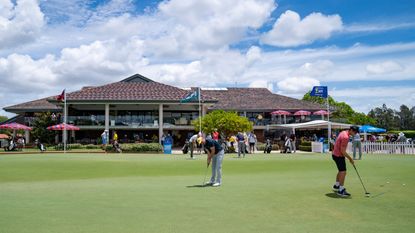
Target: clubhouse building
{"points": [[140, 109]]}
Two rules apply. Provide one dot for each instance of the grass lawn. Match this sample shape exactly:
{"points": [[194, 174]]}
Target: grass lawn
{"points": [[159, 193]]}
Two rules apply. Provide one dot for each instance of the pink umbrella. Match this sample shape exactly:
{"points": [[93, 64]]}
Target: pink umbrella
{"points": [[321, 112], [302, 113], [281, 112], [15, 126], [62, 127]]}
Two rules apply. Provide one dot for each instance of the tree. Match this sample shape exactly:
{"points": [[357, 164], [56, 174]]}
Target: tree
{"points": [[227, 123], [385, 117], [39, 129], [340, 111], [406, 118], [359, 118], [2, 119]]}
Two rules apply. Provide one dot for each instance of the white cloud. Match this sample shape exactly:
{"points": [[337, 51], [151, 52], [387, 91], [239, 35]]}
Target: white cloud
{"points": [[383, 67], [290, 31], [20, 23], [378, 27], [262, 84], [22, 74], [316, 69], [392, 96], [297, 85], [209, 25]]}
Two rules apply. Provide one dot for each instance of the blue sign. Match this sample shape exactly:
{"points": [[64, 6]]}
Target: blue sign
{"points": [[319, 91], [167, 148]]}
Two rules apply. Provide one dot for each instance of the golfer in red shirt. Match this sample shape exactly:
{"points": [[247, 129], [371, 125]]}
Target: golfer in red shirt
{"points": [[339, 157]]}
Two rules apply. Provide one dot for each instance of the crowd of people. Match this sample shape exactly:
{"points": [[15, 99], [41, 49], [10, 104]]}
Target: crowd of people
{"points": [[14, 144]]}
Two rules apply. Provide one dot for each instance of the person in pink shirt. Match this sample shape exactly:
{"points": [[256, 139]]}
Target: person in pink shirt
{"points": [[215, 135], [339, 156]]}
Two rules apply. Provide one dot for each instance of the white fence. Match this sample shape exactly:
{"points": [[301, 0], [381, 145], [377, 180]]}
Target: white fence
{"points": [[374, 147], [387, 148]]}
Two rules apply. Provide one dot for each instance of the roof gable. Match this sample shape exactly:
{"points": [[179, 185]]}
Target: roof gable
{"points": [[137, 78]]}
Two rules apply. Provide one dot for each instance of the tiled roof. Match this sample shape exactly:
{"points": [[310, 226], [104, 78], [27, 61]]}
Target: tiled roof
{"points": [[35, 105], [257, 99], [132, 91], [139, 88]]}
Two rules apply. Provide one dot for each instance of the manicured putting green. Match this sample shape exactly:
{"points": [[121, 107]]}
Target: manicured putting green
{"points": [[161, 193]]}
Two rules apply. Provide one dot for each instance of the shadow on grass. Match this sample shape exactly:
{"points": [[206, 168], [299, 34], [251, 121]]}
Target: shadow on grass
{"points": [[379, 194], [334, 195], [198, 186]]}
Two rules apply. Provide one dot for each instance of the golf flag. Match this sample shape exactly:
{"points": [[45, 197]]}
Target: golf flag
{"points": [[61, 97], [194, 96], [319, 91]]}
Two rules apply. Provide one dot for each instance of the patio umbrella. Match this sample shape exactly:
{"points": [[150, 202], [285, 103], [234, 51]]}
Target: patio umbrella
{"points": [[281, 113], [14, 126], [321, 113], [302, 113], [371, 129], [62, 127]]}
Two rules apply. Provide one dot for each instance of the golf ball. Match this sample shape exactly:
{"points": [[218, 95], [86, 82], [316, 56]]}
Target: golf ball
{"points": [[387, 182], [403, 184]]}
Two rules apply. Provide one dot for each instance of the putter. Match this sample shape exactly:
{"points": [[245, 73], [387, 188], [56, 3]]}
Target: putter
{"points": [[366, 192], [204, 180]]}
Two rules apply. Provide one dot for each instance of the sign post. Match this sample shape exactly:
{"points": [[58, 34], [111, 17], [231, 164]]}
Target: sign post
{"points": [[321, 91]]}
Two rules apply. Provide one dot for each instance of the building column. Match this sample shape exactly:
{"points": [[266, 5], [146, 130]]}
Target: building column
{"points": [[107, 120], [204, 108], [245, 113], [65, 120], [73, 136], [27, 136], [160, 122]]}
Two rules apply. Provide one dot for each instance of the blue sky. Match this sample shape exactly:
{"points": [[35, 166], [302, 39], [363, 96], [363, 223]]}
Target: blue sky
{"points": [[363, 50]]}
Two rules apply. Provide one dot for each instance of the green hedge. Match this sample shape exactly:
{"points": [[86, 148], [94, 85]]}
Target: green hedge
{"points": [[304, 148], [75, 146], [137, 147], [305, 143], [92, 146], [261, 146]]}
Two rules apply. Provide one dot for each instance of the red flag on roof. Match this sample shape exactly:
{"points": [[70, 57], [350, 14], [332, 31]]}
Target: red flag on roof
{"points": [[61, 97]]}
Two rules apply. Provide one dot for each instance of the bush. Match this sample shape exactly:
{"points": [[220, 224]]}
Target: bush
{"points": [[305, 143], [137, 147], [92, 146], [261, 146], [304, 148], [75, 146], [231, 149]]}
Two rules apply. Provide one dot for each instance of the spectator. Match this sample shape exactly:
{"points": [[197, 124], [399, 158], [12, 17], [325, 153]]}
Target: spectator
{"points": [[293, 143], [215, 135], [357, 144], [252, 141], [241, 144], [401, 137], [192, 144], [315, 138], [104, 138]]}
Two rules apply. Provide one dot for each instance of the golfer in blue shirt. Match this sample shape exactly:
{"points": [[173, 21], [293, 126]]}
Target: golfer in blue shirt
{"points": [[215, 154]]}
